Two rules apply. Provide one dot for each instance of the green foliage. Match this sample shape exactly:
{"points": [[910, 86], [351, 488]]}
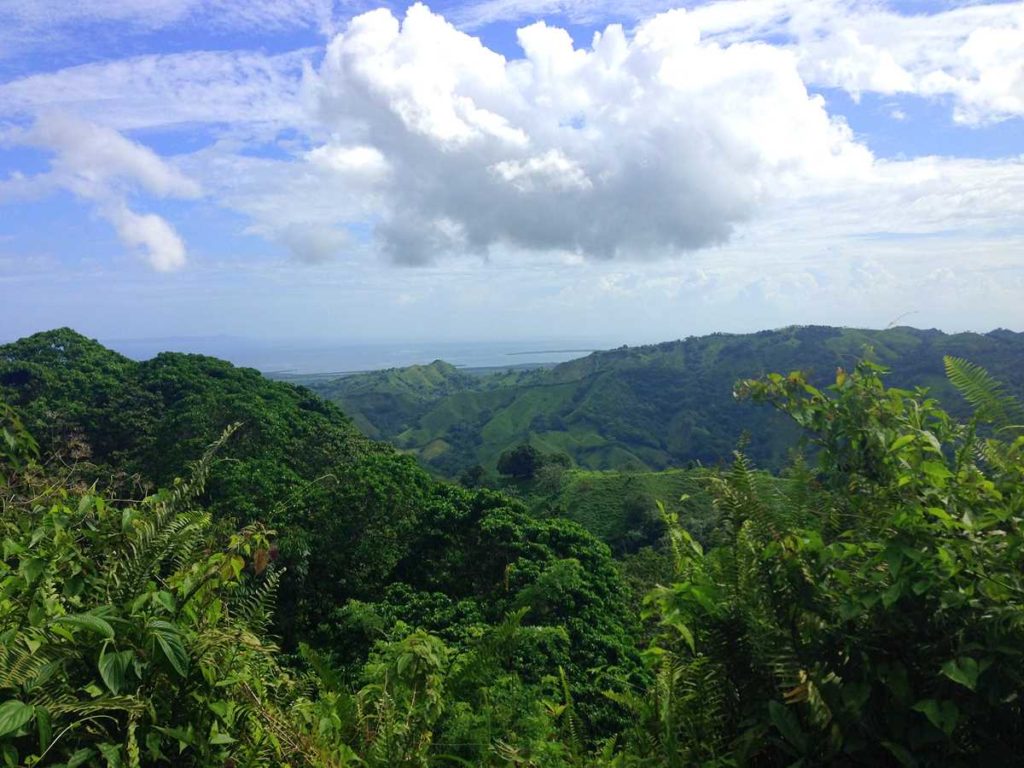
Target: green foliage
{"points": [[132, 635], [354, 518], [520, 462], [652, 407], [368, 538], [861, 609], [388, 402], [17, 446], [871, 612], [620, 508], [524, 462], [983, 392]]}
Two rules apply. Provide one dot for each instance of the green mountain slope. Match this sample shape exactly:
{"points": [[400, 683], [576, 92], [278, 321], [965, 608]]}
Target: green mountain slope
{"points": [[648, 407], [367, 537], [868, 610], [621, 508], [384, 402]]}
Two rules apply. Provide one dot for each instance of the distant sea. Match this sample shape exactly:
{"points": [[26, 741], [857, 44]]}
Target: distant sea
{"points": [[311, 357]]}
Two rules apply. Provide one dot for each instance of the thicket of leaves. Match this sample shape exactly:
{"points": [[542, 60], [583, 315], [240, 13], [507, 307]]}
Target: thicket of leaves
{"points": [[134, 633], [366, 537], [127, 636], [865, 609]]}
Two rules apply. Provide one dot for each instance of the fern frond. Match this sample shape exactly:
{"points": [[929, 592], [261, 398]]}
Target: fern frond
{"points": [[74, 706], [21, 666], [167, 536], [986, 394], [255, 603]]}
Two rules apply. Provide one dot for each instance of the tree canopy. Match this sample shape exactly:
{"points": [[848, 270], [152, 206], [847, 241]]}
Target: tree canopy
{"points": [[294, 594]]}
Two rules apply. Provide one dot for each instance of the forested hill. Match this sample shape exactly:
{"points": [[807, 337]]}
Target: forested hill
{"points": [[863, 608], [366, 535], [650, 406]]}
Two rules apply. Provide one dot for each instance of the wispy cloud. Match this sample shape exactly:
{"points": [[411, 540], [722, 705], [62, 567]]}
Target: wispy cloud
{"points": [[157, 91], [99, 165], [970, 52], [29, 25]]}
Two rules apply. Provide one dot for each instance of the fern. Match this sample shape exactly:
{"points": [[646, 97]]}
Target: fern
{"points": [[987, 395], [21, 665], [254, 604]]}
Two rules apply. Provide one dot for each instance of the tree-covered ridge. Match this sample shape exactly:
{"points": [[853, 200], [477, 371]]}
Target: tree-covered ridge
{"points": [[652, 406], [365, 535], [152, 417], [863, 607], [383, 402]]}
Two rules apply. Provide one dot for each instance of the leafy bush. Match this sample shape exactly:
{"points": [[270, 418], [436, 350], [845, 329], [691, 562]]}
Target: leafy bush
{"points": [[870, 612], [132, 634]]}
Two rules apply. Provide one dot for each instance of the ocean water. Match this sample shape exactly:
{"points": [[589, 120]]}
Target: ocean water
{"points": [[309, 357]]}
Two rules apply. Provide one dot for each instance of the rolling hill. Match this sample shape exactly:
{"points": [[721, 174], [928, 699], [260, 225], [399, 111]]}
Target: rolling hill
{"points": [[645, 407]]}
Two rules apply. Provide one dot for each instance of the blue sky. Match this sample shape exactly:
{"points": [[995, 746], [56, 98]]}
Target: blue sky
{"points": [[509, 169]]}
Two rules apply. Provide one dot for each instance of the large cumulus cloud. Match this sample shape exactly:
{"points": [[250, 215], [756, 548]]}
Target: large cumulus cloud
{"points": [[637, 146]]}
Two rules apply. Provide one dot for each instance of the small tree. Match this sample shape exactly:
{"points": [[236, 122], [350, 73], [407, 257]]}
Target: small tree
{"points": [[521, 462], [472, 476]]}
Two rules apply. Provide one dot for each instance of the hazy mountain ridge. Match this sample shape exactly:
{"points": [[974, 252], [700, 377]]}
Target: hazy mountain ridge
{"points": [[651, 406]]}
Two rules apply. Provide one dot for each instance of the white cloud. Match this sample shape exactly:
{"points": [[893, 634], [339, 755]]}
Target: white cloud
{"points": [[235, 88], [311, 243], [476, 15], [90, 158], [637, 147], [687, 132], [358, 160], [27, 25], [149, 233], [101, 166], [552, 169], [973, 54]]}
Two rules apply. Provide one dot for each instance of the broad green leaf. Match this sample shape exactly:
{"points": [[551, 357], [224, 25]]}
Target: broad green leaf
{"points": [[114, 669], [112, 754], [892, 594], [184, 736], [787, 724], [942, 515], [900, 442], [166, 599], [13, 715], [937, 472], [168, 638], [933, 443], [685, 632], [44, 727], [80, 757], [32, 568], [89, 622], [942, 714], [901, 753], [12, 548], [963, 670]]}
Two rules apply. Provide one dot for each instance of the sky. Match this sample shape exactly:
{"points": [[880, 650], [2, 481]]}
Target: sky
{"points": [[628, 171]]}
